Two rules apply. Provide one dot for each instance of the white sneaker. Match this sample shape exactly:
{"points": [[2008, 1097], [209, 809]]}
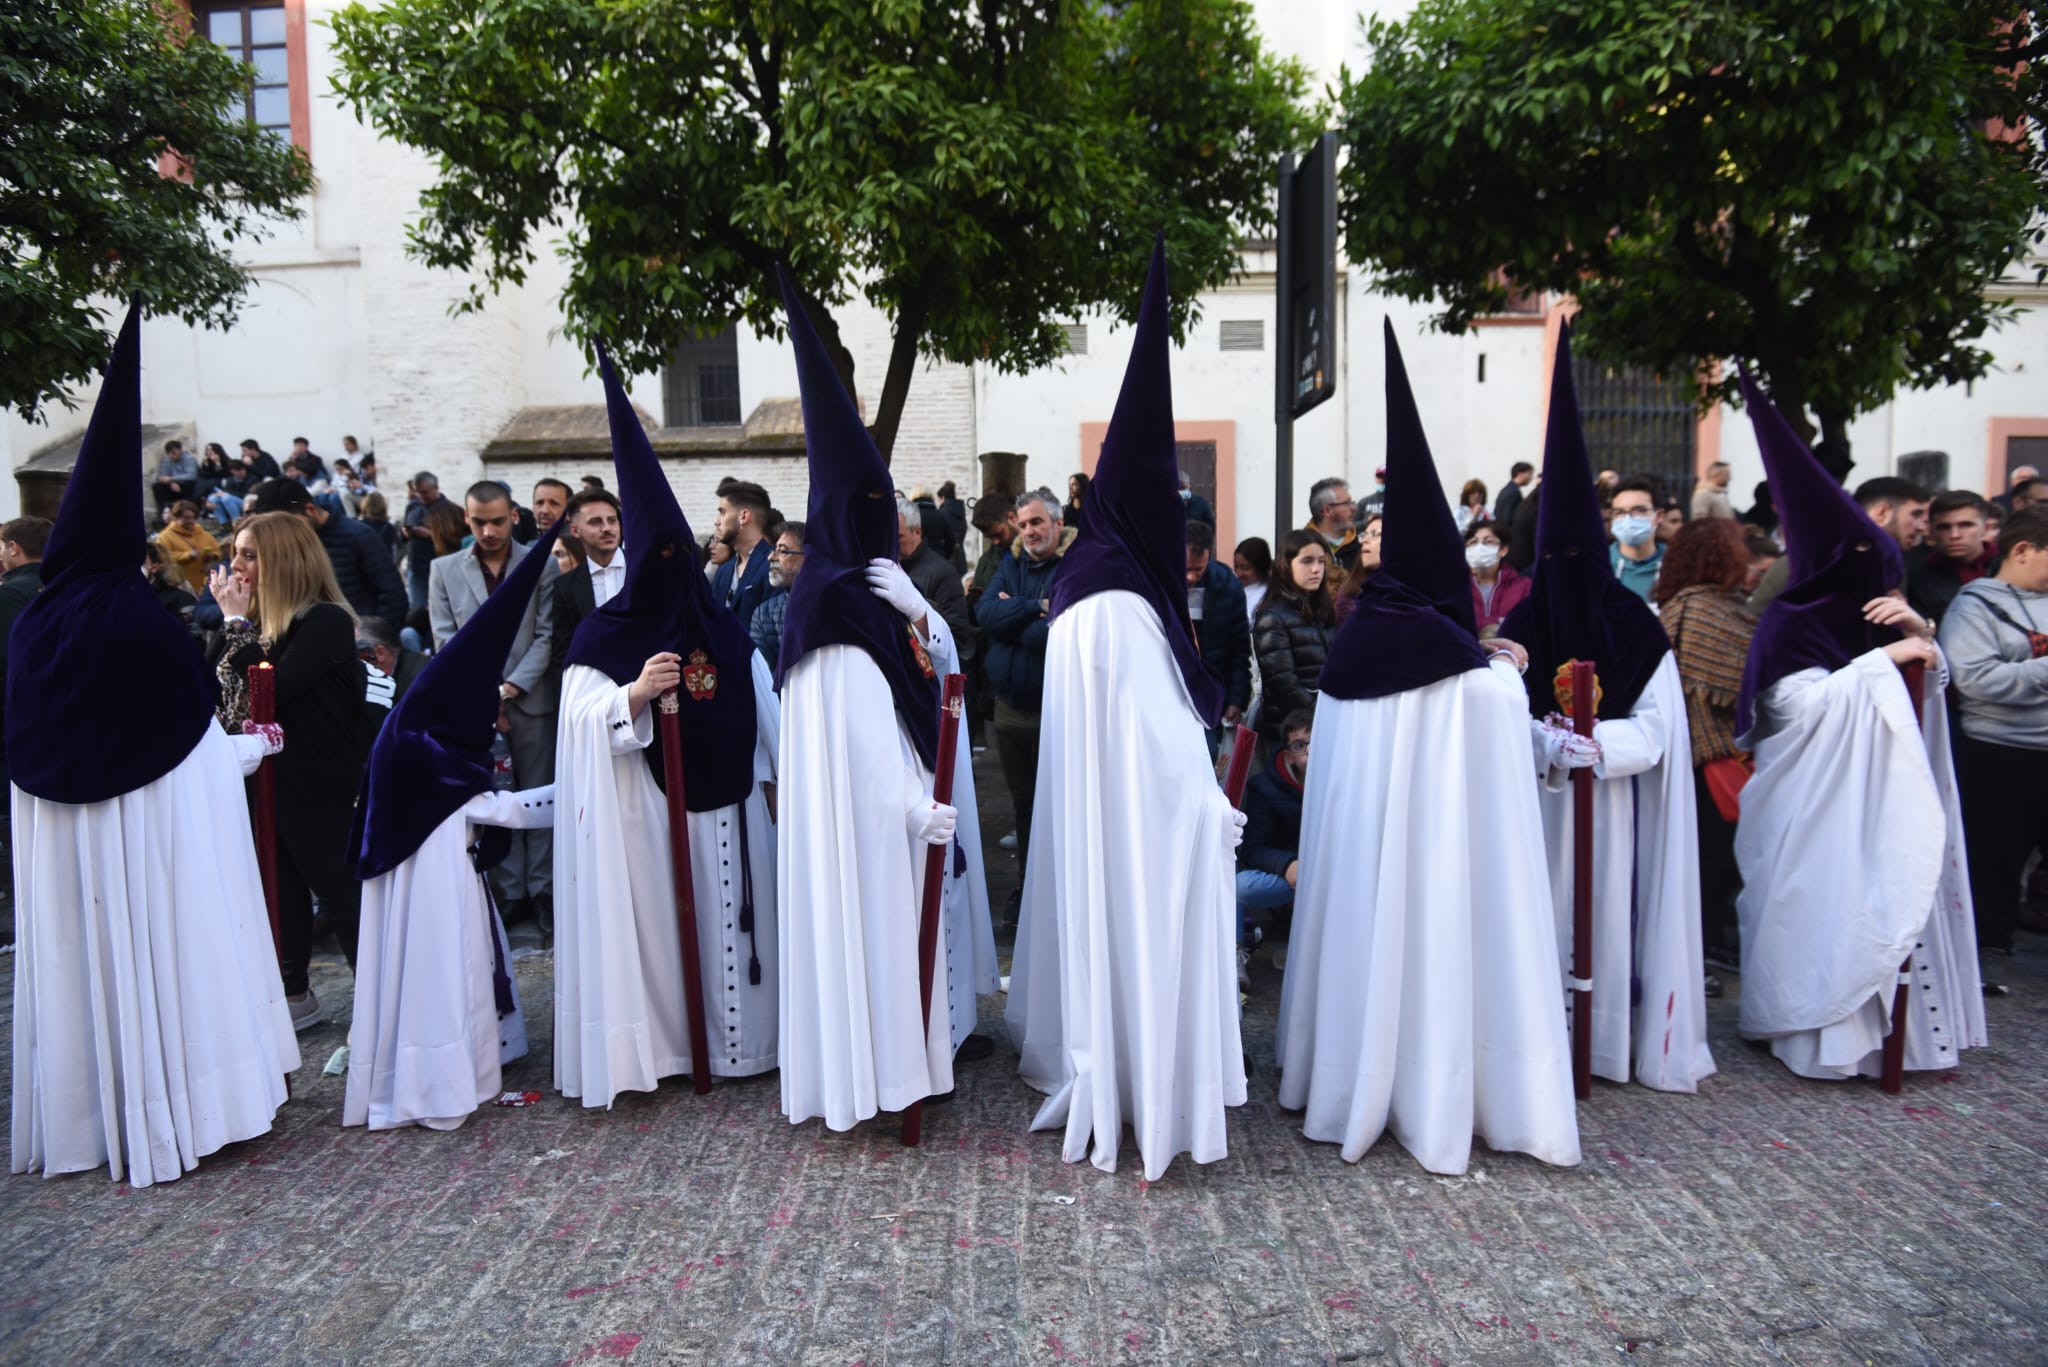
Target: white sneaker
{"points": [[1008, 842]]}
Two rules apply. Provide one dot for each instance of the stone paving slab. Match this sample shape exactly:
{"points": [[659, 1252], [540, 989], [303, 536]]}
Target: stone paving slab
{"points": [[1767, 1219]]}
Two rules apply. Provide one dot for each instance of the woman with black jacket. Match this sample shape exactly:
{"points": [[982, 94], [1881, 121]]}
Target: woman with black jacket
{"points": [[282, 606], [1292, 632]]}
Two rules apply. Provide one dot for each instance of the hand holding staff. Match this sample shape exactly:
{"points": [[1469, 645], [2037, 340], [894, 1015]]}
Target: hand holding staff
{"points": [[671, 722]]}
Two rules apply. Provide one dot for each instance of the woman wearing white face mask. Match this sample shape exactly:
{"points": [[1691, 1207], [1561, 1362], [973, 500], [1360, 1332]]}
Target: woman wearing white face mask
{"points": [[1497, 587]]}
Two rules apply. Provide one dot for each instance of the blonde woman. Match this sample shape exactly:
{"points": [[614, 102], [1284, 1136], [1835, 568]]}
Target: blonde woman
{"points": [[282, 607]]}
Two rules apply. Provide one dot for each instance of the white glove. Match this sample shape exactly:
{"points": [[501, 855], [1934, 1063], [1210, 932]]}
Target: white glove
{"points": [[258, 741], [1233, 834], [933, 822], [888, 581], [1565, 748]]}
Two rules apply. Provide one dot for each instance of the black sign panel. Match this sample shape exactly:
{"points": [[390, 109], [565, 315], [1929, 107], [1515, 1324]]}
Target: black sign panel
{"points": [[1308, 265]]}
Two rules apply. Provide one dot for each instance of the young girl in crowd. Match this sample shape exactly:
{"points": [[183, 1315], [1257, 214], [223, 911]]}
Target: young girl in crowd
{"points": [[1292, 632]]}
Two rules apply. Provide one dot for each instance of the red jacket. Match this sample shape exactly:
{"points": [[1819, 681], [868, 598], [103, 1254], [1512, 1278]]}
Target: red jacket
{"points": [[1508, 591]]}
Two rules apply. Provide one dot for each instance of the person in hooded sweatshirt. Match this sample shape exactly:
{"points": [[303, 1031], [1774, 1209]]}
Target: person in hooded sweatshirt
{"points": [[436, 1016], [1421, 993], [621, 1023], [1850, 840], [1123, 989], [862, 657], [150, 1026], [1649, 978]]}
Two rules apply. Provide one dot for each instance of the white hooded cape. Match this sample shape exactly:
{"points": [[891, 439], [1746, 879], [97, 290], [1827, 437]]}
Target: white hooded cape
{"points": [[851, 878], [150, 1026], [426, 1045], [1851, 848], [1123, 988], [620, 1020], [1649, 978], [1421, 992]]}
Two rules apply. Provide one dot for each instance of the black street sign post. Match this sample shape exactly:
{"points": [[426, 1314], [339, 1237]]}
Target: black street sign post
{"points": [[1305, 369]]}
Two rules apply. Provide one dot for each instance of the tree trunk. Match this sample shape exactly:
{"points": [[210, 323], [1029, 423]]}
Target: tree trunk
{"points": [[910, 321]]}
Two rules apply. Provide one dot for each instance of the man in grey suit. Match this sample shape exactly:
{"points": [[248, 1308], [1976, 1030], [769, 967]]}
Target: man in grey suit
{"points": [[457, 585]]}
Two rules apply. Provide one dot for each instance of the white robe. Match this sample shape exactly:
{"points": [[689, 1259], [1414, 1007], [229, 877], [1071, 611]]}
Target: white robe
{"points": [[150, 1026], [1123, 988], [620, 1020], [1649, 976], [426, 1045], [1851, 848], [852, 880], [1421, 987]]}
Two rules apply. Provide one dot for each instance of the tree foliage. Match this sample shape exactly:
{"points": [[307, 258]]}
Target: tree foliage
{"points": [[976, 170], [1822, 188], [93, 95]]}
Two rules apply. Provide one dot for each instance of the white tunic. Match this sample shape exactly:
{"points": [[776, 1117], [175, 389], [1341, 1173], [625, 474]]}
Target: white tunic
{"points": [[620, 1020], [1421, 988], [150, 1026], [1649, 977], [1851, 848], [851, 878], [426, 1045], [1123, 989]]}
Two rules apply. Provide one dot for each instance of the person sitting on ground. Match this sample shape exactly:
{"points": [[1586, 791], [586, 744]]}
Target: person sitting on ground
{"points": [[188, 547], [1268, 863], [177, 477]]}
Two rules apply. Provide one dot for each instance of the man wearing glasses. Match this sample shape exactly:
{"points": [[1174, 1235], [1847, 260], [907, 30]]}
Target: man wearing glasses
{"points": [[1637, 555], [1332, 515], [785, 562]]}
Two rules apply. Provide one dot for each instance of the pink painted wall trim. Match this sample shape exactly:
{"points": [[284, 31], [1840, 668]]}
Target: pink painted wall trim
{"points": [[1224, 434]]}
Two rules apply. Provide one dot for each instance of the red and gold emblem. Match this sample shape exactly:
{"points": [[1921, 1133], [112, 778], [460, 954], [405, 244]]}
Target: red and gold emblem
{"points": [[1561, 686], [700, 676], [924, 659]]}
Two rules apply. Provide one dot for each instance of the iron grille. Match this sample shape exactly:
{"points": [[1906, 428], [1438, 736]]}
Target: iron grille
{"points": [[700, 387], [1640, 423]]}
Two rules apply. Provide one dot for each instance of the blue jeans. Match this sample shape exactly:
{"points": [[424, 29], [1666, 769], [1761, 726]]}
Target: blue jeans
{"points": [[1258, 890], [229, 506]]}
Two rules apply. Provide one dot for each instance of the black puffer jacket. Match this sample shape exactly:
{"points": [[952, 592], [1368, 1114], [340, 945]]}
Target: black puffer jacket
{"points": [[1291, 652]]}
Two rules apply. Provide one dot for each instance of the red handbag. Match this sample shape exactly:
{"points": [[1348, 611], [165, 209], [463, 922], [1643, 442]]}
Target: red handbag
{"points": [[1725, 778]]}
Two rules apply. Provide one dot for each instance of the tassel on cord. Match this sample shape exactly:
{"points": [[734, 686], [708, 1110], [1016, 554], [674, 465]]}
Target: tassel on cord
{"points": [[747, 903]]}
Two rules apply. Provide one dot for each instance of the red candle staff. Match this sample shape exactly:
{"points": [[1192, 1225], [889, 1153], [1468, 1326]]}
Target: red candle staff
{"points": [[1892, 1078], [671, 722], [950, 706], [1240, 771], [263, 811], [1583, 704]]}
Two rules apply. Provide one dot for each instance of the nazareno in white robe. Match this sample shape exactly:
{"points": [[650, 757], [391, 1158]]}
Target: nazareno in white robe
{"points": [[851, 880], [150, 1026], [620, 1020], [1123, 988], [1421, 988], [426, 1044], [1649, 977], [1851, 848]]}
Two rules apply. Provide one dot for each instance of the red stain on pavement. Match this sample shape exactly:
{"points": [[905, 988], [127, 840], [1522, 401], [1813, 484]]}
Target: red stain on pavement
{"points": [[618, 1346]]}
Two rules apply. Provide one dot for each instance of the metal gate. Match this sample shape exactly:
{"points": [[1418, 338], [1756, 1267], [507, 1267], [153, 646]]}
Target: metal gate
{"points": [[1640, 423]]}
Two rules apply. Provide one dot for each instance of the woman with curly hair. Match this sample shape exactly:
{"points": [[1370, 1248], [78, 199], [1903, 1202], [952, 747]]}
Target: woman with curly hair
{"points": [[1701, 597]]}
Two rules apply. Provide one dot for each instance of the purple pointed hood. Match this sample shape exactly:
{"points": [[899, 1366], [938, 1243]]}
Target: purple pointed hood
{"points": [[1576, 608], [850, 521], [1840, 560], [433, 752], [106, 689], [667, 605], [1413, 625], [1134, 526]]}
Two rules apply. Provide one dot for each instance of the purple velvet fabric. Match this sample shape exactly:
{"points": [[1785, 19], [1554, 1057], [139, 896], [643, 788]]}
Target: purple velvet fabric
{"points": [[433, 752], [851, 520], [1839, 558], [1577, 609], [106, 690], [1134, 524], [667, 605], [1413, 624]]}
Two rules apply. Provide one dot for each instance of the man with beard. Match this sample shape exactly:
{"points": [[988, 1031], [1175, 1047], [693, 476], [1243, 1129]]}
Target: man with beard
{"points": [[785, 562], [744, 513]]}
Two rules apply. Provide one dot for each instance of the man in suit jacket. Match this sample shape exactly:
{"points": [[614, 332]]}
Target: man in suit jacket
{"points": [[744, 514], [592, 537], [457, 586]]}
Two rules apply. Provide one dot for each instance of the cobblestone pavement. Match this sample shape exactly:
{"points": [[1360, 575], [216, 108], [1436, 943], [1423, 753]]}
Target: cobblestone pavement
{"points": [[1766, 1219]]}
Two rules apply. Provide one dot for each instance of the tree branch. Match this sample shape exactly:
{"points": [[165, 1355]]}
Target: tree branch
{"points": [[911, 315]]}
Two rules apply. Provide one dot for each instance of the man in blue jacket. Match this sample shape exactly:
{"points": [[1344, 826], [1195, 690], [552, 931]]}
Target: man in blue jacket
{"points": [[1223, 627], [1011, 614], [1268, 861]]}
